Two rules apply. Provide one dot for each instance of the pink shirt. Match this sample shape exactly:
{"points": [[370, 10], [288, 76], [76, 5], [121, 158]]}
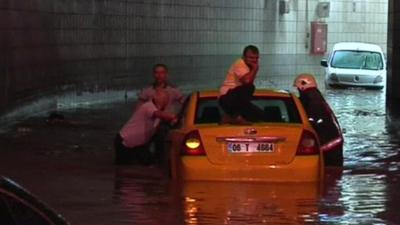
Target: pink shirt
{"points": [[141, 126], [235, 72], [174, 101]]}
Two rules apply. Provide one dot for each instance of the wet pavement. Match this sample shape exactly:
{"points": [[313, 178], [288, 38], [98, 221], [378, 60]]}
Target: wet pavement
{"points": [[69, 165]]}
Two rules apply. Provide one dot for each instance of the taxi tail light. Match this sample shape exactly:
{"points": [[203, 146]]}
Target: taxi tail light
{"points": [[308, 144], [192, 144]]}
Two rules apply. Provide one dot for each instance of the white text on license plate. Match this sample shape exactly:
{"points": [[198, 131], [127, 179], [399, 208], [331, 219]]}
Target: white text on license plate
{"points": [[236, 147]]}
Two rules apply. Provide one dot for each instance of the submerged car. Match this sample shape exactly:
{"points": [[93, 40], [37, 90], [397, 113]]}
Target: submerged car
{"points": [[18, 206], [284, 147], [354, 64]]}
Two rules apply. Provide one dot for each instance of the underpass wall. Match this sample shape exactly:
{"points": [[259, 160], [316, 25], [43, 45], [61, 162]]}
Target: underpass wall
{"points": [[59, 53], [393, 81]]}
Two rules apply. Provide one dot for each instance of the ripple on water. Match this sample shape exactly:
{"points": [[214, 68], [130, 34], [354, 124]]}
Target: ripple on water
{"points": [[370, 148]]}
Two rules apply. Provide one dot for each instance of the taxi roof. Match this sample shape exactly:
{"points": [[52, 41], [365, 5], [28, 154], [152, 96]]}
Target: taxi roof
{"points": [[258, 92]]}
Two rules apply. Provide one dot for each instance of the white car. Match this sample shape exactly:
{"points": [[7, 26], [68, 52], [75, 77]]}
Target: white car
{"points": [[355, 64]]}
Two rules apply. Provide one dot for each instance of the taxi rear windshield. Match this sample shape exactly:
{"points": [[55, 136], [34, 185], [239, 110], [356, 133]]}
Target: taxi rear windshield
{"points": [[271, 109]]}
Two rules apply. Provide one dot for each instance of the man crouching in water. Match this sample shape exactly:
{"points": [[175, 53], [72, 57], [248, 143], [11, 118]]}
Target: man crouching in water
{"points": [[322, 119], [132, 142]]}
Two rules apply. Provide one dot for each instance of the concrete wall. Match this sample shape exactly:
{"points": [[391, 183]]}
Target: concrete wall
{"points": [[358, 20], [393, 52], [49, 47]]}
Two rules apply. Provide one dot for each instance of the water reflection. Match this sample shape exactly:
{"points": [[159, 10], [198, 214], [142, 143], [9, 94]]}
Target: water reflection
{"points": [[371, 158], [360, 193], [147, 196], [153, 199], [79, 181], [362, 114], [363, 197], [359, 199], [249, 203]]}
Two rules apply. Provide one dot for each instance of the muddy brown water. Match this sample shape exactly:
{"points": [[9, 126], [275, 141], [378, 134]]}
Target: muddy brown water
{"points": [[69, 165]]}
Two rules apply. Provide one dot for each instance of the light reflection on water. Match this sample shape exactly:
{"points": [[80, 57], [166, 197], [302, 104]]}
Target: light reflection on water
{"points": [[159, 201], [360, 198], [364, 192], [246, 203], [146, 197], [358, 194], [368, 151], [362, 115]]}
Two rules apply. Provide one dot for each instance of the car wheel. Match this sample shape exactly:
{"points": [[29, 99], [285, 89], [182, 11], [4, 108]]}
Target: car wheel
{"points": [[334, 158]]}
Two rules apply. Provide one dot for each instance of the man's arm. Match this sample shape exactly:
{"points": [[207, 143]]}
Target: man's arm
{"points": [[165, 116], [179, 97], [145, 94]]}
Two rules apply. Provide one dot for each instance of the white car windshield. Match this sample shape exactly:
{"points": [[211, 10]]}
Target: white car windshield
{"points": [[357, 60]]}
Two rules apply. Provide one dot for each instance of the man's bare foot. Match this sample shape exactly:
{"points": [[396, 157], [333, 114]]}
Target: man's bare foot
{"points": [[239, 120], [226, 119]]}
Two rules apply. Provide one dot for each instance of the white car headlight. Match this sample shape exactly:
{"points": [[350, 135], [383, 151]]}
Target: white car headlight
{"points": [[333, 77], [378, 79]]}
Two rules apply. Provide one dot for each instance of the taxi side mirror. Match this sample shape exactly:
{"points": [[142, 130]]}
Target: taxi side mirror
{"points": [[324, 63]]}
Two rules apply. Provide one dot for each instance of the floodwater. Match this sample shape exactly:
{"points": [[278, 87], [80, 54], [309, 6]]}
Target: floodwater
{"points": [[69, 165]]}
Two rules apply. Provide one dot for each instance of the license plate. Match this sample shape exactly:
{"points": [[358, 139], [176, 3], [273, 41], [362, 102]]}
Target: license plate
{"points": [[236, 147]]}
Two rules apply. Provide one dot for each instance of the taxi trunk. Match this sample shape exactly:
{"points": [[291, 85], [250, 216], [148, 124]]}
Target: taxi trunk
{"points": [[268, 145], [224, 155], [282, 148]]}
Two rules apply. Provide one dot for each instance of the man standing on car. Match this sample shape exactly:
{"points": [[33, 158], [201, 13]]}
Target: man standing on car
{"points": [[323, 119], [238, 87]]}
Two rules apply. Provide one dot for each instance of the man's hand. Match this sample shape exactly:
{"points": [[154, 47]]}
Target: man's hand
{"points": [[173, 121], [251, 75], [166, 116], [253, 66]]}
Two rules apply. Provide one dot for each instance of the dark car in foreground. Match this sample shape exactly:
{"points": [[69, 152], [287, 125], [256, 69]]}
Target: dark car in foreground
{"points": [[19, 207]]}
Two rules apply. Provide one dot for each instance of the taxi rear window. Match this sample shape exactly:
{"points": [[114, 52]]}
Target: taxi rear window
{"points": [[276, 109]]}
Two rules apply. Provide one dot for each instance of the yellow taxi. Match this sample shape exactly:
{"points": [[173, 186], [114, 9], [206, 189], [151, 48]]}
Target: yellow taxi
{"points": [[283, 148]]}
